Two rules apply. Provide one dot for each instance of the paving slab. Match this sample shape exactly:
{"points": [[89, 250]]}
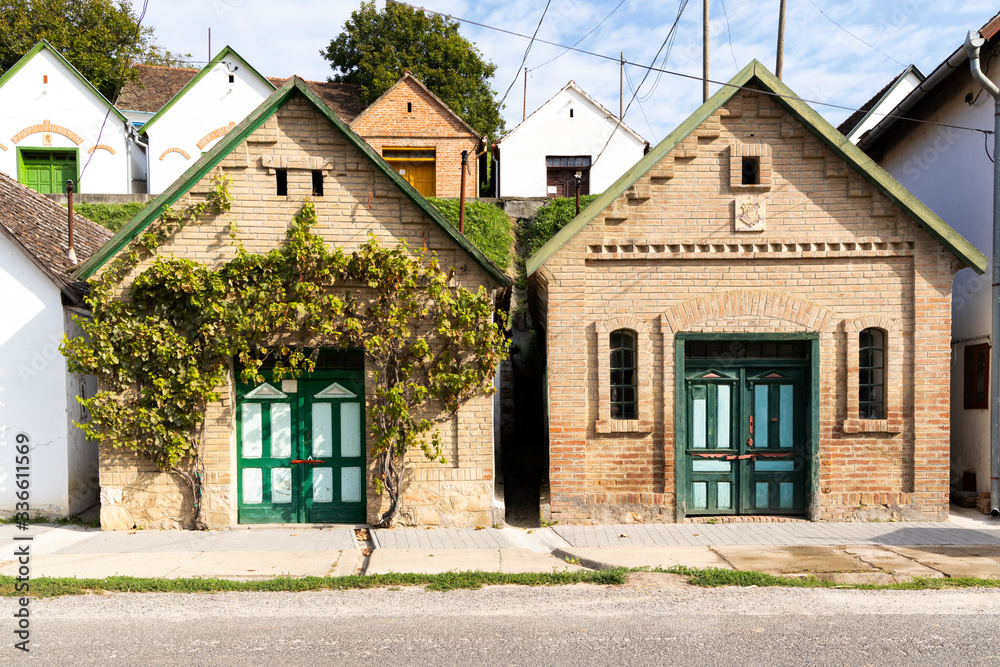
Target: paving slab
{"points": [[887, 560], [437, 561], [99, 566], [783, 560], [605, 558], [970, 561]]}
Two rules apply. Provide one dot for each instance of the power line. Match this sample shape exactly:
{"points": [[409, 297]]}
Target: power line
{"points": [[526, 51], [853, 35], [682, 75], [729, 33], [652, 135], [581, 39], [671, 37]]}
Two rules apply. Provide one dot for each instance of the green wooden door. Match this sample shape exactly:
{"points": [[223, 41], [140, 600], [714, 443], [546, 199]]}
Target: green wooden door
{"points": [[300, 450], [746, 450], [46, 171]]}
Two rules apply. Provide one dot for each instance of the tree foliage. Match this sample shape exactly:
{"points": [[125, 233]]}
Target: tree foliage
{"points": [[100, 38], [377, 47], [161, 347]]}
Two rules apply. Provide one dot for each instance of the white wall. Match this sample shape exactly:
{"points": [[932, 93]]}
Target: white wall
{"points": [[33, 388], [551, 131], [949, 170], [25, 100], [211, 103]]}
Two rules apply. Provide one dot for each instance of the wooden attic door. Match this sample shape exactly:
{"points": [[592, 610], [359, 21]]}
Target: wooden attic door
{"points": [[417, 165]]}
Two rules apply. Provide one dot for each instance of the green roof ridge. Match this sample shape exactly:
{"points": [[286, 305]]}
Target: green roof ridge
{"points": [[44, 44], [237, 135], [837, 142], [228, 50]]}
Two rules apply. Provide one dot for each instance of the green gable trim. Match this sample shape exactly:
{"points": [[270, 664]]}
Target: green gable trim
{"points": [[44, 44], [234, 138], [757, 74], [228, 51]]}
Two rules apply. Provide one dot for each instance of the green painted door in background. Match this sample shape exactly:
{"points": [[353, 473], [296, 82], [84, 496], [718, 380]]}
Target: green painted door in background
{"points": [[746, 450], [301, 450], [46, 171]]}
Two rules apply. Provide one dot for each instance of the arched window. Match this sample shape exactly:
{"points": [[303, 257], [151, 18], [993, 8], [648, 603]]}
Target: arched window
{"points": [[871, 378], [624, 376]]}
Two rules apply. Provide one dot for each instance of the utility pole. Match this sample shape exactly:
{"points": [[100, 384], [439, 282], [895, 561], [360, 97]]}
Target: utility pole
{"points": [[524, 111], [621, 84], [210, 45], [704, 50], [781, 40]]}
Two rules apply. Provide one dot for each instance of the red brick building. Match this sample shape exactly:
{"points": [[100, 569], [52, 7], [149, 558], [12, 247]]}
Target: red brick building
{"points": [[753, 321], [422, 138]]}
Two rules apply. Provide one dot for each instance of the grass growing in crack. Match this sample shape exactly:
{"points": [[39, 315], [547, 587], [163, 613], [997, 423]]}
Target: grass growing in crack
{"points": [[712, 577], [53, 586]]}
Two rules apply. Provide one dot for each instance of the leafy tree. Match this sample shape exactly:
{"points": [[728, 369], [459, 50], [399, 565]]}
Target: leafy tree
{"points": [[377, 47], [101, 38]]}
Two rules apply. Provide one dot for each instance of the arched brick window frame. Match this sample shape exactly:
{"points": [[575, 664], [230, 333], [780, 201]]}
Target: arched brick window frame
{"points": [[893, 369], [644, 368]]}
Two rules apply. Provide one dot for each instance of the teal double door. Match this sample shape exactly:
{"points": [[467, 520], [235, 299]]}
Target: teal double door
{"points": [[746, 450], [301, 450]]}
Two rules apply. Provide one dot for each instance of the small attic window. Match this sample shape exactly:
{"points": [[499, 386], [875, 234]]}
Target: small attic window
{"points": [[751, 170], [232, 78], [317, 181], [45, 78], [409, 107], [281, 181], [571, 113]]}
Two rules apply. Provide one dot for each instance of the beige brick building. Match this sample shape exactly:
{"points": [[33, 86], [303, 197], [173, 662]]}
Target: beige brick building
{"points": [[753, 321], [422, 138], [291, 148]]}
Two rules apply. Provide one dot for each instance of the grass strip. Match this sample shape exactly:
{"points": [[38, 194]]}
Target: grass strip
{"points": [[712, 577], [58, 586]]}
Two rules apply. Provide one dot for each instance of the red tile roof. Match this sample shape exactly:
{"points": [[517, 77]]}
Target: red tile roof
{"points": [[153, 87], [343, 98]]}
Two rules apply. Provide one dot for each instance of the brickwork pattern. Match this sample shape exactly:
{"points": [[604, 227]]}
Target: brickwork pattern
{"points": [[175, 149], [358, 200], [391, 123], [836, 254], [103, 147], [47, 126]]}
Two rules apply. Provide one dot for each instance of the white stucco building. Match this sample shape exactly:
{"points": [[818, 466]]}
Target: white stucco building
{"points": [[201, 113], [540, 157], [55, 126], [38, 402], [950, 169]]}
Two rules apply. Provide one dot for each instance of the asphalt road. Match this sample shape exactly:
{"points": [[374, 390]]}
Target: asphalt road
{"points": [[652, 621]]}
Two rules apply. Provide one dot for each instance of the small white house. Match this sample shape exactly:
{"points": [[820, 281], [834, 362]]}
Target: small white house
{"points": [[922, 144], [55, 126], [205, 109], [37, 394], [541, 156], [881, 104]]}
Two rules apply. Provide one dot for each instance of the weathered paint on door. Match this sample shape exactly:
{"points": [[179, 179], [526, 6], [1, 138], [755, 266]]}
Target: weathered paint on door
{"points": [[746, 450], [300, 448]]}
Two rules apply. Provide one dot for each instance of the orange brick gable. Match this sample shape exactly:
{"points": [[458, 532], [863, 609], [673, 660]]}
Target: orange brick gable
{"points": [[407, 116], [836, 256]]}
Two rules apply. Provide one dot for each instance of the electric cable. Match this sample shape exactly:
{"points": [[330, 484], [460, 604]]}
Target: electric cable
{"points": [[589, 33], [526, 51], [855, 36], [729, 33]]}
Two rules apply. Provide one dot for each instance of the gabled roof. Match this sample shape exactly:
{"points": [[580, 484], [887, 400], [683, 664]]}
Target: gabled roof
{"points": [[582, 93], [344, 98], [153, 87], [39, 226], [859, 116], [44, 45], [235, 137], [407, 76], [755, 74], [227, 51]]}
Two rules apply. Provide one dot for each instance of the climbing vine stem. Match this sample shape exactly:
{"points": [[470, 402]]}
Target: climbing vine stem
{"points": [[163, 345]]}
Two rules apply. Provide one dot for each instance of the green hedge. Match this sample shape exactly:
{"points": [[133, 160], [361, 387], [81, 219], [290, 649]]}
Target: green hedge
{"points": [[110, 216], [548, 220], [486, 226]]}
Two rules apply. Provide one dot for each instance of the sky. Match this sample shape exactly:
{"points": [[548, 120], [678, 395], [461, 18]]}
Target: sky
{"points": [[839, 52]]}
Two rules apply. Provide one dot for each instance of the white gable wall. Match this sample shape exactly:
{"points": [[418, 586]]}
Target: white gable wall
{"points": [[897, 92], [64, 101], [551, 131], [211, 103], [33, 387]]}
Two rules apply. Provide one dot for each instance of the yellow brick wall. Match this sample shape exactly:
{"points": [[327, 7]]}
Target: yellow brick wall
{"points": [[358, 200], [835, 252]]}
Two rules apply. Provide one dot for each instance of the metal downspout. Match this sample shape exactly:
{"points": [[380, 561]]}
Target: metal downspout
{"points": [[972, 44]]}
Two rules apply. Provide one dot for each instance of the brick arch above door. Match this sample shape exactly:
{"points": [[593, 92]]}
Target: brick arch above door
{"points": [[753, 303]]}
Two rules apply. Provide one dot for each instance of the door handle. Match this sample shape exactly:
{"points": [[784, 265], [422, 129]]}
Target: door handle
{"points": [[751, 424]]}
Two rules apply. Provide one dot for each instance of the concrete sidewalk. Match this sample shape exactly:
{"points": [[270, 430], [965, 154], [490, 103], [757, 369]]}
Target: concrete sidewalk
{"points": [[966, 545]]}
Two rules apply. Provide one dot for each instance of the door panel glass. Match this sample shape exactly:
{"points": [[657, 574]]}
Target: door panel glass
{"points": [[774, 466], [322, 485], [253, 488], [761, 502], [785, 495], [700, 490], [722, 423], [711, 466], [699, 417], [723, 493], [786, 418], [281, 431], [252, 431], [350, 430], [350, 485], [322, 430], [281, 485], [760, 415]]}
